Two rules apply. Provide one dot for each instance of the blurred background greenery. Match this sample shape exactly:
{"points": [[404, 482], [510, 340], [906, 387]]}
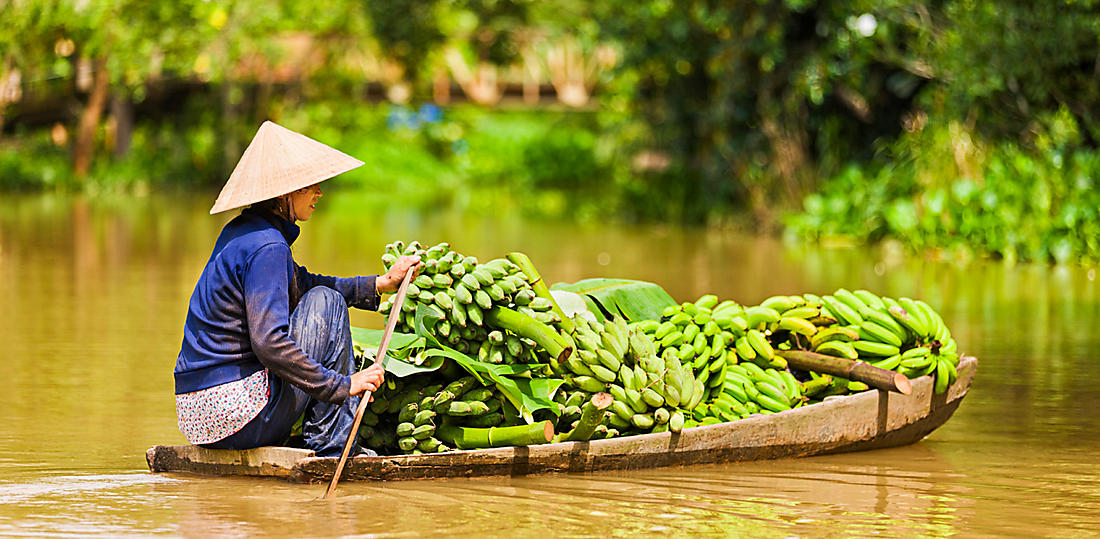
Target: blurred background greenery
{"points": [[960, 128]]}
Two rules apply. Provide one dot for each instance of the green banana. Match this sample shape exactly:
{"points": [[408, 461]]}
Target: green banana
{"points": [[744, 349], [805, 313], [622, 410], [875, 348], [797, 325], [690, 332], [870, 331], [771, 404], [916, 362], [626, 376], [707, 301], [680, 319], [759, 315], [663, 330], [838, 349], [908, 320], [870, 299], [779, 303], [652, 398], [841, 311], [943, 379], [851, 300], [760, 344], [936, 326], [922, 328], [835, 333], [769, 389], [889, 363], [883, 319]]}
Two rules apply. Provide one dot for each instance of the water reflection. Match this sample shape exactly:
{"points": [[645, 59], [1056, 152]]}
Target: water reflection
{"points": [[92, 298]]}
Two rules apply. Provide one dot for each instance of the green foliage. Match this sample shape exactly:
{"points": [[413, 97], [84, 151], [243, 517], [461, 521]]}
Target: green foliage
{"points": [[743, 96], [408, 30], [1004, 62], [495, 39], [1017, 206]]}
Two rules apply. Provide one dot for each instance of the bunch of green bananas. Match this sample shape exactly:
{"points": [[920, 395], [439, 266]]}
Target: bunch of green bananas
{"points": [[651, 393], [703, 334], [460, 290], [403, 416], [902, 334]]}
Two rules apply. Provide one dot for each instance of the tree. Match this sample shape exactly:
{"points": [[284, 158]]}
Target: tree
{"points": [[745, 97]]}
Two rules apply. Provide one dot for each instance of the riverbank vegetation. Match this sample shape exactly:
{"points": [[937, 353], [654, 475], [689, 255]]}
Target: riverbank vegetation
{"points": [[963, 128]]}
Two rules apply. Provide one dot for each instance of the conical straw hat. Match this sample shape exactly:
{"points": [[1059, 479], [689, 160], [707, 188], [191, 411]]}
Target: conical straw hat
{"points": [[279, 161]]}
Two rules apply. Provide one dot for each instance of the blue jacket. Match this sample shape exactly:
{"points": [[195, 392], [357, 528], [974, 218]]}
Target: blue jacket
{"points": [[238, 319]]}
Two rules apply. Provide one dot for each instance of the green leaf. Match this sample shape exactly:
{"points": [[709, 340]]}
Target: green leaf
{"points": [[370, 339], [572, 303], [634, 300], [401, 368], [524, 395], [402, 345]]}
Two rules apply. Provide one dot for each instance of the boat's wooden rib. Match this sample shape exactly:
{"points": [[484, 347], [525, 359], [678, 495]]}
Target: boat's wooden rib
{"points": [[867, 420]]}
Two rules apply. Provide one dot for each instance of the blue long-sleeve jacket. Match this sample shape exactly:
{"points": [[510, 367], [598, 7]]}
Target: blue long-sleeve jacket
{"points": [[238, 319]]}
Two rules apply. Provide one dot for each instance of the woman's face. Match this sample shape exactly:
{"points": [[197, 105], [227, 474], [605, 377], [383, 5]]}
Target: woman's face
{"points": [[304, 201]]}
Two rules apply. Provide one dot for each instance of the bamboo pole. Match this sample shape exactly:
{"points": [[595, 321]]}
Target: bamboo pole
{"points": [[845, 368], [395, 310]]}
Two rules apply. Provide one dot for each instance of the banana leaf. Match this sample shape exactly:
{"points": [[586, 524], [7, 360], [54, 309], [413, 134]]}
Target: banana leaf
{"points": [[404, 356], [527, 395], [633, 300]]}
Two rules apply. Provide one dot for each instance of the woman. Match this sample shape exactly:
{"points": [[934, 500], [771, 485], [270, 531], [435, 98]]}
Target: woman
{"points": [[266, 341]]}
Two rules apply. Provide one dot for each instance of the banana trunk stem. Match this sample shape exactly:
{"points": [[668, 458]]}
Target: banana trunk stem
{"points": [[592, 414], [846, 368], [525, 326], [479, 438], [541, 290]]}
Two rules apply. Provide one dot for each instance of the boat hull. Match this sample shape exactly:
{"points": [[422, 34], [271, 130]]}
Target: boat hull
{"points": [[868, 420]]}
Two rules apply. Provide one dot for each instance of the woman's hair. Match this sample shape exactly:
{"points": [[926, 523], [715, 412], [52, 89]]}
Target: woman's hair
{"points": [[277, 205]]}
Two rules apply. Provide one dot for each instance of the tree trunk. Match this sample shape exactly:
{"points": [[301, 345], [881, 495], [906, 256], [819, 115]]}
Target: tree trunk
{"points": [[123, 110], [89, 119]]}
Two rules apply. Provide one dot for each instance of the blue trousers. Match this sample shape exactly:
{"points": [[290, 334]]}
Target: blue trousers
{"points": [[322, 329]]}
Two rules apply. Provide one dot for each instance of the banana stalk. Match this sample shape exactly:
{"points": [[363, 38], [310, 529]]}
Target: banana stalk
{"points": [[478, 438], [592, 414], [540, 288], [846, 368], [525, 326]]}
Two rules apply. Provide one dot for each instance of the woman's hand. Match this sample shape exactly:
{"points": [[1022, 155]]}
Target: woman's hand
{"points": [[368, 379], [389, 282]]}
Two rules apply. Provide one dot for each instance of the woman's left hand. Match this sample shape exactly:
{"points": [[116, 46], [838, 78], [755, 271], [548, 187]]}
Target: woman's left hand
{"points": [[389, 282]]}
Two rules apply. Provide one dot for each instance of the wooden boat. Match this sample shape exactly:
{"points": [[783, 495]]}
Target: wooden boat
{"points": [[868, 420]]}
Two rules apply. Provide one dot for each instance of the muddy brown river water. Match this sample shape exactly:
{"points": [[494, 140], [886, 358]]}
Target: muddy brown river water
{"points": [[93, 294]]}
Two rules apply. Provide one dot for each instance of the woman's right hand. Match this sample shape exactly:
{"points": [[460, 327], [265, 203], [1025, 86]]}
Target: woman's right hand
{"points": [[368, 379]]}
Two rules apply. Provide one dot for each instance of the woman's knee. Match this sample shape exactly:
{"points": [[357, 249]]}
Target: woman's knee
{"points": [[321, 309], [322, 298]]}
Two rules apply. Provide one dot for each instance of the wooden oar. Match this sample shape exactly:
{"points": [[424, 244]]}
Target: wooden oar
{"points": [[846, 368], [395, 314]]}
